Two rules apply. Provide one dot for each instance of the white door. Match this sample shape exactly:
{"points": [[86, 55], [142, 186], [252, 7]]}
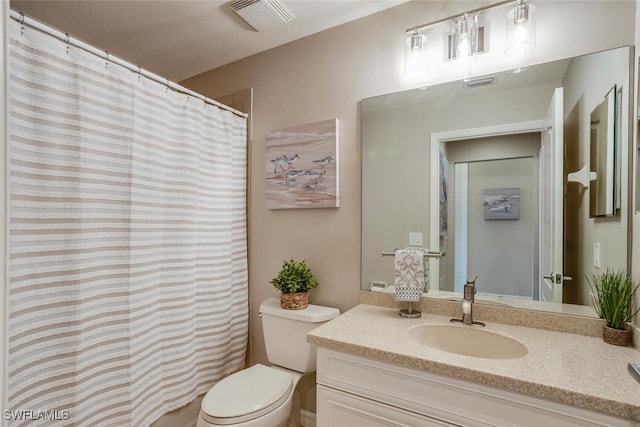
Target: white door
{"points": [[551, 196]]}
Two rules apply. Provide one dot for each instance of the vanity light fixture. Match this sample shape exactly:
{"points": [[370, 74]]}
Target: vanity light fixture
{"points": [[415, 55], [466, 38], [463, 43], [521, 29]]}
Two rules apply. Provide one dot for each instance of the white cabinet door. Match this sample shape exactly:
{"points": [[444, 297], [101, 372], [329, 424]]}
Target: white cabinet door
{"points": [[338, 409]]}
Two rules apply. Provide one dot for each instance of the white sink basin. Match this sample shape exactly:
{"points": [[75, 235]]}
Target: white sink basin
{"points": [[467, 341]]}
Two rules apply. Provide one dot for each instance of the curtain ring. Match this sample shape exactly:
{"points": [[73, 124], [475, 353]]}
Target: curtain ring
{"points": [[139, 73], [106, 63], [67, 41], [167, 87], [21, 24]]}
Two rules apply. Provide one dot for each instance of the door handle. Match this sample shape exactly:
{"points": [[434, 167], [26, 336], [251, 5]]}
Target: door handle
{"points": [[557, 278]]}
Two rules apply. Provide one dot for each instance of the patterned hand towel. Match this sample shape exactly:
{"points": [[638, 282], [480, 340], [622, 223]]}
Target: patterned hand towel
{"points": [[425, 266], [409, 274]]}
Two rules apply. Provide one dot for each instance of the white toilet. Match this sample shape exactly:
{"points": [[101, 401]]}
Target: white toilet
{"points": [[261, 396]]}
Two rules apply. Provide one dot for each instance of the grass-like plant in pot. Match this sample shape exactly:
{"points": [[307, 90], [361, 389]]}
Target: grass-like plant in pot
{"points": [[294, 281], [614, 294]]}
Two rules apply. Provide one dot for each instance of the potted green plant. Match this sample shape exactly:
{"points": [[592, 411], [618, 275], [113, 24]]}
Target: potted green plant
{"points": [[614, 294], [294, 281]]}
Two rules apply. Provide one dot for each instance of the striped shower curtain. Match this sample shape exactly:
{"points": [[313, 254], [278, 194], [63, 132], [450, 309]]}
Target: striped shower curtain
{"points": [[128, 260]]}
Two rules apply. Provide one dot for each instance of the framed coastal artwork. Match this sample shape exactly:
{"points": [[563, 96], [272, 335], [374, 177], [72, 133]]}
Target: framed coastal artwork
{"points": [[302, 167], [501, 203]]}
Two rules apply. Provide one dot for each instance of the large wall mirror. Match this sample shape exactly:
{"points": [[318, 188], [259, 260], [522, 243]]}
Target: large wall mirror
{"points": [[496, 173]]}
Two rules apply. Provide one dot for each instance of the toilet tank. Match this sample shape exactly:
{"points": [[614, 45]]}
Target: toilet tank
{"points": [[285, 333]]}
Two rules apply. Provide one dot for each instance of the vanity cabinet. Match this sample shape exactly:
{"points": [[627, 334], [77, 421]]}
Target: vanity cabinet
{"points": [[356, 391]]}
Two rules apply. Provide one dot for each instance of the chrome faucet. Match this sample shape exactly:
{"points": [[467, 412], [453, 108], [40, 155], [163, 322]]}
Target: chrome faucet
{"points": [[468, 299]]}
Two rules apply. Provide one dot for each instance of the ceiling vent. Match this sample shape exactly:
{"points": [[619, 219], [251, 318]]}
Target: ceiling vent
{"points": [[262, 14], [482, 81]]}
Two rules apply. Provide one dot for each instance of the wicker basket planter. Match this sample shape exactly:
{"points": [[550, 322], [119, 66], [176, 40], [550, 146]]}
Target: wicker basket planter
{"points": [[614, 295], [294, 301], [294, 281], [616, 336]]}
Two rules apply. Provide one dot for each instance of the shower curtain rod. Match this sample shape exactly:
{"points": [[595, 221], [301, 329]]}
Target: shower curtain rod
{"points": [[73, 41]]}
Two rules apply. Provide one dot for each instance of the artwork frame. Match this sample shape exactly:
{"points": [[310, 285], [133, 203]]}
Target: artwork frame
{"points": [[501, 204], [302, 166]]}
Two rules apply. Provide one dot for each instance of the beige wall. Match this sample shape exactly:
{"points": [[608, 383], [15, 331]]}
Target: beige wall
{"points": [[325, 76]]}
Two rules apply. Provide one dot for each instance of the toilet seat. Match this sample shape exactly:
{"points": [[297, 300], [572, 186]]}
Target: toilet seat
{"points": [[246, 395]]}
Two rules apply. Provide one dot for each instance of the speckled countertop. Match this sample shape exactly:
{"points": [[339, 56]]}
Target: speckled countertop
{"points": [[573, 369]]}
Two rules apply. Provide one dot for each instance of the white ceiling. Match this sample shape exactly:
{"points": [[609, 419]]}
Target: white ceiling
{"points": [[178, 39]]}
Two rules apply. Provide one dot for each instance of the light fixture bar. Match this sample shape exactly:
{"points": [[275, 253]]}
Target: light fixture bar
{"points": [[469, 12]]}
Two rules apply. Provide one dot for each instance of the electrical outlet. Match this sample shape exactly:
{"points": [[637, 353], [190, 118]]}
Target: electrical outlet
{"points": [[415, 238], [596, 255]]}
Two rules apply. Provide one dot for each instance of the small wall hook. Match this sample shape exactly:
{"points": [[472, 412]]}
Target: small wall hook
{"points": [[583, 177]]}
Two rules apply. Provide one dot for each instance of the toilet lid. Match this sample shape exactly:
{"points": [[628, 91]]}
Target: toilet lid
{"points": [[247, 394]]}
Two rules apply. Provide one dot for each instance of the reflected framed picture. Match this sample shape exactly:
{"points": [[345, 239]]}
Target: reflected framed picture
{"points": [[302, 166], [501, 203]]}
